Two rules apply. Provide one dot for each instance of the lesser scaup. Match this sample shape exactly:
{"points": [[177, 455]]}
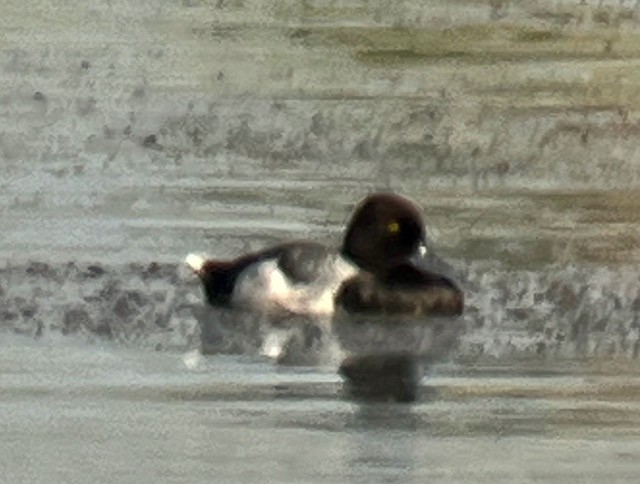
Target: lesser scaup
{"points": [[384, 293]]}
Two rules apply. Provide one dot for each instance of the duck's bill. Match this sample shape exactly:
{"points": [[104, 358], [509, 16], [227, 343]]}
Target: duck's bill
{"points": [[426, 261]]}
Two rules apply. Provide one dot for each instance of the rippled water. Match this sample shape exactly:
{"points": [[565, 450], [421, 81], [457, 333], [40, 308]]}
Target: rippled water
{"points": [[132, 133], [72, 412]]}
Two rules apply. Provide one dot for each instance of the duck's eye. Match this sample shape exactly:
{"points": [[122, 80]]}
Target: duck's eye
{"points": [[393, 227]]}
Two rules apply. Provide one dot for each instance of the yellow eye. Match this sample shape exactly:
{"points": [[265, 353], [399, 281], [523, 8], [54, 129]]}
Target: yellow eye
{"points": [[393, 227]]}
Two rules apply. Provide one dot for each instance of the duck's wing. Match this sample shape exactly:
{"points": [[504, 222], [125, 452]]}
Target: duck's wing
{"points": [[303, 262]]}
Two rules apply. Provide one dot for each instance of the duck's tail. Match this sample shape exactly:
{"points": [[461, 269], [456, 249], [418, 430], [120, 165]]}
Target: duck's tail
{"points": [[196, 262]]}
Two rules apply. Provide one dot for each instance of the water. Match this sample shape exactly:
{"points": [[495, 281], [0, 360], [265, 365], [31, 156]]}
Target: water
{"points": [[76, 413], [132, 133]]}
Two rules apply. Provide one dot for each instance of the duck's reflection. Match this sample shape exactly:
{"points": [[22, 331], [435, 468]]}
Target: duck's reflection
{"points": [[371, 451], [384, 378]]}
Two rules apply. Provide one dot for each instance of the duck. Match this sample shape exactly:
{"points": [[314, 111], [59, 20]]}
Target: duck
{"points": [[384, 296]]}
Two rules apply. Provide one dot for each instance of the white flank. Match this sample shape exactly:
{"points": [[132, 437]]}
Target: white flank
{"points": [[265, 285], [195, 261]]}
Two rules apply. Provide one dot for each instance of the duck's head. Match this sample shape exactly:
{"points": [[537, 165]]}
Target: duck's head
{"points": [[385, 230]]}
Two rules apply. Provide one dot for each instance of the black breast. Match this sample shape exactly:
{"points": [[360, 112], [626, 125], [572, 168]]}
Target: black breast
{"points": [[414, 294]]}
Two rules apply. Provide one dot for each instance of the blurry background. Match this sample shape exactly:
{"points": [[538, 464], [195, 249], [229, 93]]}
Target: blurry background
{"points": [[135, 129]]}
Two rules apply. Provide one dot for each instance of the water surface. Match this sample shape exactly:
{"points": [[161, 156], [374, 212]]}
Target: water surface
{"points": [[132, 133]]}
